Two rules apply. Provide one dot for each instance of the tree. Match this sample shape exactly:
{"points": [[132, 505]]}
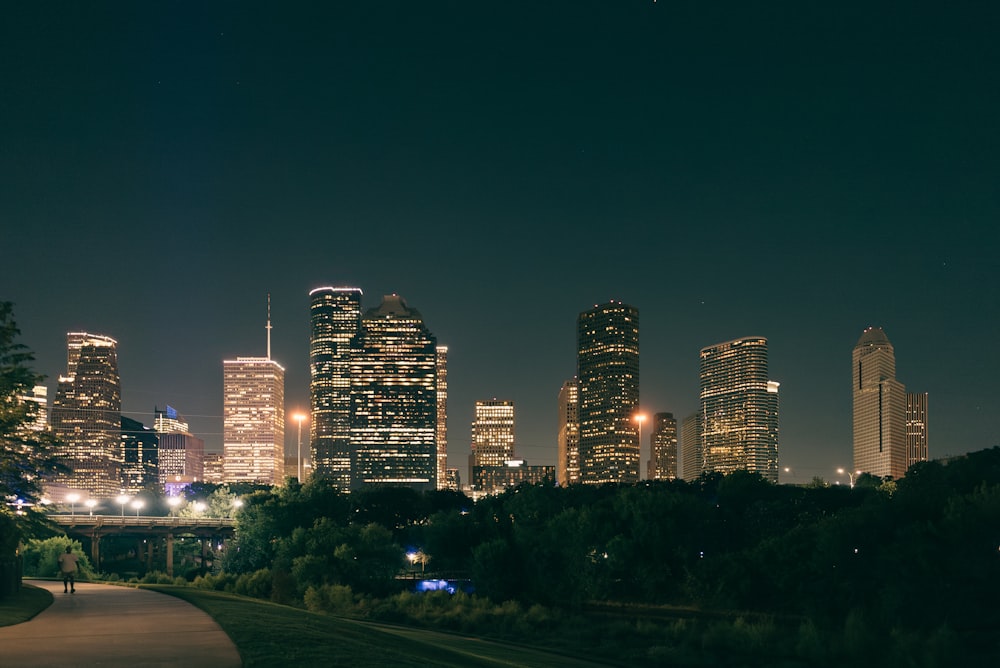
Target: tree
{"points": [[27, 456]]}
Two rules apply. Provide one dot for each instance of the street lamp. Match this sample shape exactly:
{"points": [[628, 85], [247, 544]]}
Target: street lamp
{"points": [[850, 476], [137, 504], [90, 503], [72, 498], [199, 507], [173, 502], [122, 499], [640, 418], [300, 418]]}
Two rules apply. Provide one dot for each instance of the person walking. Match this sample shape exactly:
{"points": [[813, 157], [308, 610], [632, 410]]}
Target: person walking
{"points": [[67, 566]]}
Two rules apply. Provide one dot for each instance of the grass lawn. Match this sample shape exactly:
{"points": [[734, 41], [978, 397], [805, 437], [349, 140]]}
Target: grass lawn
{"points": [[268, 634], [23, 605]]}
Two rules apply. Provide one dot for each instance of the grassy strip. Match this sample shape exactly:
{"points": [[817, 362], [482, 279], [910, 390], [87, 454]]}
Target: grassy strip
{"points": [[23, 605], [268, 634]]}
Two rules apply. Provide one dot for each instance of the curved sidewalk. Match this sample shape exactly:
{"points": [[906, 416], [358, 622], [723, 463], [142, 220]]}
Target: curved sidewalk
{"points": [[105, 625]]}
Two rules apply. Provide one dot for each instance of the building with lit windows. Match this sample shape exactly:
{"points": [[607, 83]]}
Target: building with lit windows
{"points": [[335, 320], [568, 438], [212, 468], [916, 428], [140, 449], [663, 448], [39, 398], [739, 407], [393, 391], [253, 420], [879, 407], [492, 440], [608, 377], [442, 417], [86, 416], [692, 461], [514, 472]]}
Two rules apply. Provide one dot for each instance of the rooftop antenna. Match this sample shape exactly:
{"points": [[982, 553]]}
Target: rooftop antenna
{"points": [[268, 326]]}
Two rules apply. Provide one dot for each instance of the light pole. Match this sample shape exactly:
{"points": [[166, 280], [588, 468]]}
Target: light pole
{"points": [[90, 503], [137, 504], [122, 499], [640, 418], [850, 476], [173, 502], [300, 418], [72, 498]]}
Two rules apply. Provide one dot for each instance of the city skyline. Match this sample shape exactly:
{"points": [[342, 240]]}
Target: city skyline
{"points": [[799, 174]]}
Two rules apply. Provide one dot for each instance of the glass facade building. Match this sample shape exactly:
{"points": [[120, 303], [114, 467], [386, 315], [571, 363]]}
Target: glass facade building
{"points": [[335, 320], [492, 441], [692, 462], [442, 417], [879, 407], [86, 415], [739, 407], [916, 428], [140, 446], [608, 377], [393, 393]]}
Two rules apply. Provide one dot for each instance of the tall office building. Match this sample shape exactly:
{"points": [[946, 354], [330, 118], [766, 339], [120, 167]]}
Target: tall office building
{"points": [[394, 419], [181, 453], [608, 376], [40, 398], [692, 460], [442, 417], [568, 438], [86, 415], [739, 407], [253, 418], [879, 407], [140, 449], [335, 319], [492, 440], [916, 428], [663, 448]]}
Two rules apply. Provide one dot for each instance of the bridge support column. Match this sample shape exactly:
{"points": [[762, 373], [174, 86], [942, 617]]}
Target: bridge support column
{"points": [[95, 550], [149, 553], [170, 554]]}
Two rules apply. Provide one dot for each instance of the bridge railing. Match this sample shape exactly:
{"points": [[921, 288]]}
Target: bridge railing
{"points": [[109, 521]]}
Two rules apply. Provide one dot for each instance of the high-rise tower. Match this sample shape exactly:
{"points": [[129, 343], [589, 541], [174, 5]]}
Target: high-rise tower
{"points": [[86, 415], [442, 417], [739, 407], [253, 414], [692, 460], [879, 407], [916, 428], [568, 439], [393, 391], [335, 318], [492, 439], [663, 450], [608, 376]]}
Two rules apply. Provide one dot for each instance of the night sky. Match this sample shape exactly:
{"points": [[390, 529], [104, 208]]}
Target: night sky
{"points": [[729, 168]]}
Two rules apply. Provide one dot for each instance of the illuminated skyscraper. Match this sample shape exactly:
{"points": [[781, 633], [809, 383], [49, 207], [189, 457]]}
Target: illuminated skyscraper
{"points": [[916, 428], [181, 453], [253, 416], [394, 419], [663, 442], [692, 461], [568, 439], [140, 446], [492, 439], [86, 415], [879, 407], [335, 317], [40, 398], [608, 376], [739, 407], [442, 417]]}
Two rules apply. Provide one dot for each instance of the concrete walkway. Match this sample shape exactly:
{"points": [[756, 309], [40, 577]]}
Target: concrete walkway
{"points": [[104, 625]]}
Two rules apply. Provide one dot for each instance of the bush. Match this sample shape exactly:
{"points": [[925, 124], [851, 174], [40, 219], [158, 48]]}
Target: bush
{"points": [[41, 558], [256, 584], [330, 598]]}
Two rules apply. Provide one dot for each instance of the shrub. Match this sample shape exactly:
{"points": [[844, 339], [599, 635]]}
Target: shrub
{"points": [[41, 557]]}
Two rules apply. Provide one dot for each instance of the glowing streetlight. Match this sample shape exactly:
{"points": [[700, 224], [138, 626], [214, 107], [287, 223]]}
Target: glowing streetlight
{"points": [[173, 502], [640, 418], [850, 476], [72, 498], [90, 503], [300, 418], [123, 499], [137, 504], [199, 507]]}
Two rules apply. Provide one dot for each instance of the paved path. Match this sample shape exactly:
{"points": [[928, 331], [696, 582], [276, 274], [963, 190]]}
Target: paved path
{"points": [[105, 625]]}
